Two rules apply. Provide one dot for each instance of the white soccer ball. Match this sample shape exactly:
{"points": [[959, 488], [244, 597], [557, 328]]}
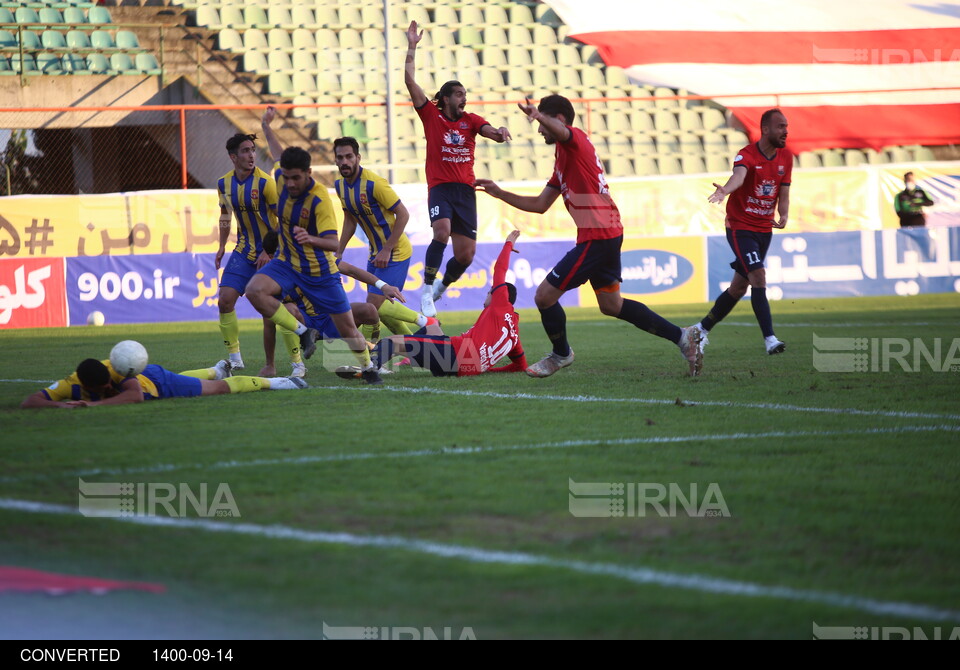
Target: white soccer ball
{"points": [[96, 319], [128, 358]]}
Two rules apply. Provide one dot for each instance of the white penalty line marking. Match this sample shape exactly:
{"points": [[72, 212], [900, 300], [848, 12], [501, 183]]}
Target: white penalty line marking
{"points": [[648, 401], [462, 451], [636, 575]]}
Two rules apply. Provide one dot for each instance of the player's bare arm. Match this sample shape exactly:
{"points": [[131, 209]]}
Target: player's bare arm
{"points": [[783, 206], [498, 135], [390, 292], [733, 183], [224, 235], [528, 203], [269, 114], [382, 258], [346, 234], [417, 95], [324, 242], [555, 126]]}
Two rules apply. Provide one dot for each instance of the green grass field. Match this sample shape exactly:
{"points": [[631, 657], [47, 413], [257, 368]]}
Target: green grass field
{"points": [[445, 503]]}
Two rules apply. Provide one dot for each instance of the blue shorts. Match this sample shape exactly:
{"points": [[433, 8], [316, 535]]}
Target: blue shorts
{"points": [[394, 274], [170, 384], [457, 202], [323, 324], [325, 293], [595, 260], [750, 248], [238, 272]]}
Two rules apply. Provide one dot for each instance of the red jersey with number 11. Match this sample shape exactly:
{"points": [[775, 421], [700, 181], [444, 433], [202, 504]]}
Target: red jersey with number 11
{"points": [[754, 205]]}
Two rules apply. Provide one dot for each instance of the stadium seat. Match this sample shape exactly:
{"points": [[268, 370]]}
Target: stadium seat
{"points": [[520, 81], [520, 14], [75, 64], [26, 15], [49, 63], [303, 61], [303, 39], [810, 159], [372, 39], [122, 63], [470, 36], [446, 16], [74, 15], [518, 34], [349, 16], [832, 158], [50, 16], [255, 17], [127, 39], [593, 78], [303, 17], [852, 157], [372, 15], [7, 39], [713, 119], [923, 154], [304, 82], [279, 83], [544, 56], [326, 39], [6, 16], [545, 79], [255, 61], [5, 67], [620, 166], [692, 164], [231, 16], [718, 163], [326, 16], [97, 64], [279, 62], [53, 39], [255, 39], [229, 39], [640, 121], [301, 112], [101, 39], [208, 16], [491, 79], [98, 14], [661, 96], [616, 76], [350, 39], [352, 127], [665, 120], [669, 165], [278, 38], [29, 63], [493, 57], [147, 63], [30, 40], [278, 16], [518, 55]]}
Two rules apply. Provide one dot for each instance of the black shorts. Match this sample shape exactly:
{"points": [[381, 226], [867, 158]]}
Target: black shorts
{"points": [[432, 352], [594, 260], [749, 248], [457, 202]]}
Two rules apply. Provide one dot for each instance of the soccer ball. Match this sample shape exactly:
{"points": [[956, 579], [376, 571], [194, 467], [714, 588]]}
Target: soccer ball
{"points": [[128, 358], [95, 319]]}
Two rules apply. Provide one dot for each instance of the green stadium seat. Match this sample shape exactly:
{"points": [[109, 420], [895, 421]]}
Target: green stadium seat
{"points": [[122, 63], [5, 67], [101, 39], [470, 36], [253, 38], [147, 64], [53, 39], [98, 14], [75, 64], [31, 40], [74, 15], [29, 63], [255, 17], [352, 127], [229, 39], [98, 64], [49, 63], [6, 16], [7, 39], [26, 15], [50, 16], [127, 39], [303, 17]]}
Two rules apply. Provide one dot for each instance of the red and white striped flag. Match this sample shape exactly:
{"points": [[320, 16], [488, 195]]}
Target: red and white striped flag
{"points": [[817, 48]]}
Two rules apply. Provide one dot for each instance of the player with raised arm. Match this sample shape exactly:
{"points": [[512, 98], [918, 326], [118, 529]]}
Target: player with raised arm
{"points": [[578, 177], [306, 256], [760, 184], [250, 195], [494, 336], [451, 138]]}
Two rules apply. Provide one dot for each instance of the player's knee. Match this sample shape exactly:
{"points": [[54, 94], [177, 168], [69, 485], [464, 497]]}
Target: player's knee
{"points": [[226, 303], [465, 257], [737, 290], [610, 308], [758, 278], [366, 314]]}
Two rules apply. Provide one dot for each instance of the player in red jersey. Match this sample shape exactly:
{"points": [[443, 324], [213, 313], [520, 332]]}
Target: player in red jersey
{"points": [[494, 336], [578, 177], [451, 137], [759, 184]]}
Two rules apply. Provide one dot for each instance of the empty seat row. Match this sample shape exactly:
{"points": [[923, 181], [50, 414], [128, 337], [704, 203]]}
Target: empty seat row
{"points": [[73, 39], [50, 63], [52, 15]]}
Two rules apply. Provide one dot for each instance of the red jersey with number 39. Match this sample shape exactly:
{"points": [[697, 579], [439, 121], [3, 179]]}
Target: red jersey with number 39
{"points": [[450, 145], [753, 206], [578, 175]]}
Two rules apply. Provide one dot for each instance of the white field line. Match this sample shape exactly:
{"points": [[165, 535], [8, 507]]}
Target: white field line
{"points": [[461, 451], [637, 575]]}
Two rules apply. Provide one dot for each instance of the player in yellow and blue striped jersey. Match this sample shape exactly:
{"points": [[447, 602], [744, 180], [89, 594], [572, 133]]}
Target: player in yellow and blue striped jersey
{"points": [[306, 256]]}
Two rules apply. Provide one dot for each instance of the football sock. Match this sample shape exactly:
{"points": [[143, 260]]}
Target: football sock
{"points": [[646, 319], [285, 319], [723, 306], [248, 384], [396, 317], [292, 342], [363, 357], [397, 326], [202, 373], [453, 271], [432, 261], [761, 308], [370, 332], [230, 330], [554, 321]]}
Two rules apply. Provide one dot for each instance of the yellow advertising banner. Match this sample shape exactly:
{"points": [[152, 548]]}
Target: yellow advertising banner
{"points": [[660, 271], [941, 183]]}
